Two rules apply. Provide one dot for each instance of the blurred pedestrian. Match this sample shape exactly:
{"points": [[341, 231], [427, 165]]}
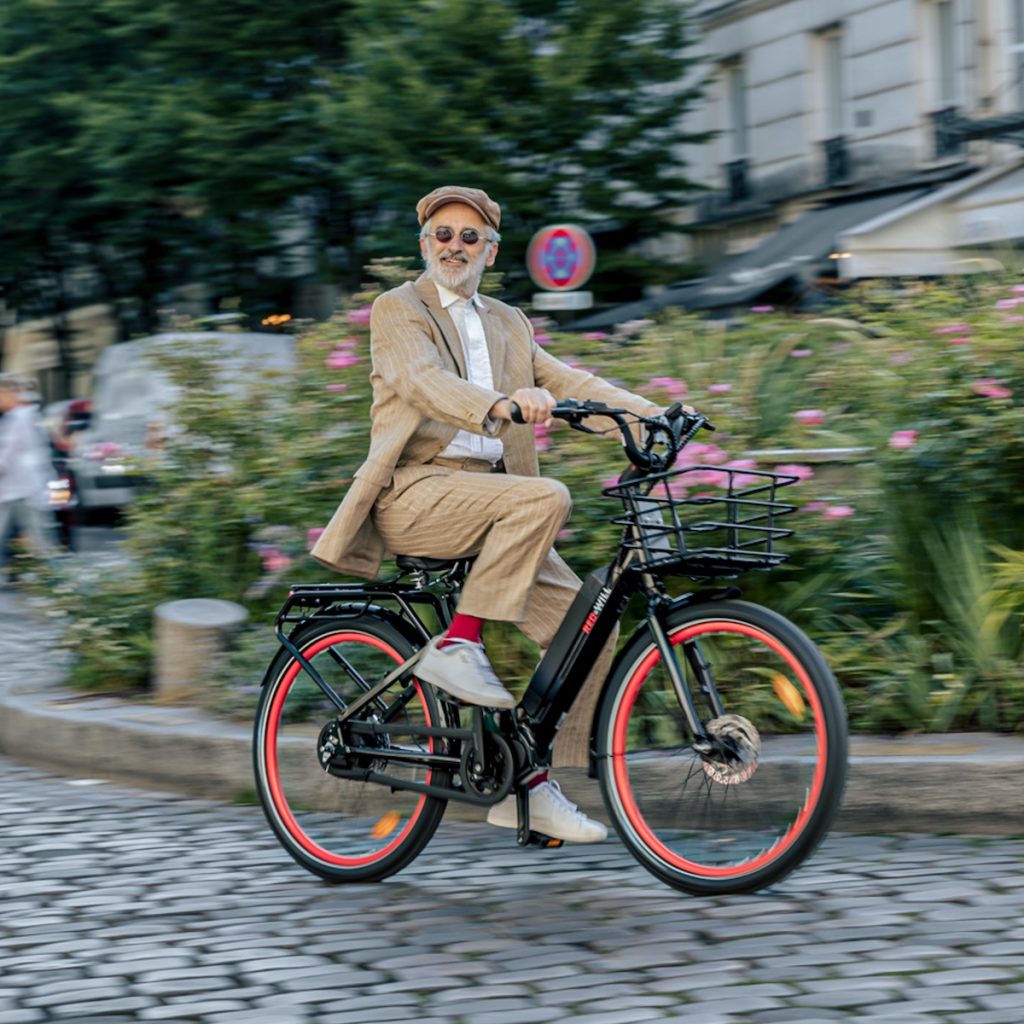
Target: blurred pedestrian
{"points": [[25, 470]]}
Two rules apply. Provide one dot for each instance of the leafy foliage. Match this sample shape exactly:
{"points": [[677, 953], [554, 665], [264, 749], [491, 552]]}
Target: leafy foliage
{"points": [[253, 148], [907, 564]]}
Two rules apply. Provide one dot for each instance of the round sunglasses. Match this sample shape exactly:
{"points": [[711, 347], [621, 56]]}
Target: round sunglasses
{"points": [[469, 236]]}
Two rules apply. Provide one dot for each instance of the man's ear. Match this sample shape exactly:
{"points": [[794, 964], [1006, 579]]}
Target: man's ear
{"points": [[423, 247], [492, 254]]}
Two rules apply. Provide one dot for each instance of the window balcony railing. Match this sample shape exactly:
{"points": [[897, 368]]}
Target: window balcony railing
{"points": [[737, 180], [837, 159], [947, 127]]}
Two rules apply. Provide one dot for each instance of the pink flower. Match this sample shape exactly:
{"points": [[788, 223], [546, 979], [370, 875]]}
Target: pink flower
{"points": [[801, 353], [611, 481], [348, 343], [359, 316], [542, 339], [105, 450], [274, 560], [565, 534], [677, 487], [340, 360], [698, 451], [595, 336], [708, 477], [672, 386], [800, 472], [312, 536], [1007, 303], [816, 506], [1017, 289], [809, 417], [963, 340], [903, 439], [1013, 319], [719, 389], [742, 479], [959, 328], [541, 438], [338, 387], [762, 309], [839, 511], [988, 387]]}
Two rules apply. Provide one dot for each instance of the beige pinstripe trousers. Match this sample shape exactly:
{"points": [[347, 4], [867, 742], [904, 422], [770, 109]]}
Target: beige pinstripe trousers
{"points": [[509, 523]]}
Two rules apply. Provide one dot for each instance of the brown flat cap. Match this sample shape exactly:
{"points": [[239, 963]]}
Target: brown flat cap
{"points": [[475, 197]]}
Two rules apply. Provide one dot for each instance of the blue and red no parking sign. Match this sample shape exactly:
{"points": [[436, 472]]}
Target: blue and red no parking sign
{"points": [[560, 257]]}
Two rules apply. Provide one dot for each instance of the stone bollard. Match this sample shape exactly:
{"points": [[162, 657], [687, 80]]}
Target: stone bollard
{"points": [[190, 635]]}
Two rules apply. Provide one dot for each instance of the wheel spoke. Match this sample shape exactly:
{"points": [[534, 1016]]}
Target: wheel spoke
{"points": [[748, 807], [341, 828]]}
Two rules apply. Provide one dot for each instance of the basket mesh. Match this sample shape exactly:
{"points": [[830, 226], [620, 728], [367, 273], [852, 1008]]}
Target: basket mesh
{"points": [[704, 521]]}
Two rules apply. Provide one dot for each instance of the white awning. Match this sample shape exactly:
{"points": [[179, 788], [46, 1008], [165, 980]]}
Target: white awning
{"points": [[944, 232]]}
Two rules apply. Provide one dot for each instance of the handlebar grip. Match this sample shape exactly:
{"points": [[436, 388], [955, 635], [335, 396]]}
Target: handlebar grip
{"points": [[516, 413]]}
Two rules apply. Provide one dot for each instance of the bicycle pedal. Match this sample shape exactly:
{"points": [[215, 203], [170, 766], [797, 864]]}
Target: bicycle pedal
{"points": [[543, 841]]}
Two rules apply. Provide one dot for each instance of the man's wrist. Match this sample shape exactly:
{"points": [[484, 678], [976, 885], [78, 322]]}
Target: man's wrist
{"points": [[501, 410]]}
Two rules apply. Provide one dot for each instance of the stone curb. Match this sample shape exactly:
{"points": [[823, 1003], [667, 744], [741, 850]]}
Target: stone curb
{"points": [[966, 783]]}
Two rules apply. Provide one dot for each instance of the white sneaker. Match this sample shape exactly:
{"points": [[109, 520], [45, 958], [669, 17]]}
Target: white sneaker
{"points": [[552, 813], [462, 670]]}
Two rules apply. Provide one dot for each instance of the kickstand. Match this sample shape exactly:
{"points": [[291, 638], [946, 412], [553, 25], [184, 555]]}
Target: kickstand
{"points": [[523, 814]]}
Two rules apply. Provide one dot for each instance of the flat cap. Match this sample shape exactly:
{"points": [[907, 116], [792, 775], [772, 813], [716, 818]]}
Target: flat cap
{"points": [[475, 197]]}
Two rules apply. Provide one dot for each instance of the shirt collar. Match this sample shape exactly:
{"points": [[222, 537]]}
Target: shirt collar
{"points": [[449, 298]]}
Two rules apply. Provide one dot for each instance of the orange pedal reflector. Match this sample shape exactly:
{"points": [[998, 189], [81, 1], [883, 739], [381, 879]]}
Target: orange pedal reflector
{"points": [[386, 825], [789, 695]]}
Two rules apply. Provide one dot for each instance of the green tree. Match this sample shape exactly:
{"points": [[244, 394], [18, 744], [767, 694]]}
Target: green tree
{"points": [[570, 109], [151, 143]]}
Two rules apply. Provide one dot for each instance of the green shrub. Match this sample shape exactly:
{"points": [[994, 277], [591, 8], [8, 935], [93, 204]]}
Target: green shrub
{"points": [[906, 570]]}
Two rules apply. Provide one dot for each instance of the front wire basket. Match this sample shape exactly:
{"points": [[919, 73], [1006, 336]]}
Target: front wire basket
{"points": [[703, 521]]}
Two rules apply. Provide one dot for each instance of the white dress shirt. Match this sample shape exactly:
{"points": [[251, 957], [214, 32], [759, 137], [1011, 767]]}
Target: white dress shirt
{"points": [[478, 371]]}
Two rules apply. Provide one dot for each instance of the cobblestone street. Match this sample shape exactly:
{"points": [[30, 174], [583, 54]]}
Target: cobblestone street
{"points": [[122, 904]]}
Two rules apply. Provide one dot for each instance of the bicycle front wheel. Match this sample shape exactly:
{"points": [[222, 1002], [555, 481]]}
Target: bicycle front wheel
{"points": [[745, 813], [341, 829]]}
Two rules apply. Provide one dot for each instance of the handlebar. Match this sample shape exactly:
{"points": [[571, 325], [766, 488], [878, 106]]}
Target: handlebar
{"points": [[673, 429]]}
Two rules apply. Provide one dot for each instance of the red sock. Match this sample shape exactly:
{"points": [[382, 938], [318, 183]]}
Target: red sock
{"points": [[464, 627], [536, 780]]}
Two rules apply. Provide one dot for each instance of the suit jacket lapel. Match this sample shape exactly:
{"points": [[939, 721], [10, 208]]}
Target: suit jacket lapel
{"points": [[427, 292], [494, 334]]}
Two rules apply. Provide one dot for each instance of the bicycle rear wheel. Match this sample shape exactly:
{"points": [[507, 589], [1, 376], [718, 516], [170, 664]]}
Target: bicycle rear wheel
{"points": [[742, 819], [340, 829]]}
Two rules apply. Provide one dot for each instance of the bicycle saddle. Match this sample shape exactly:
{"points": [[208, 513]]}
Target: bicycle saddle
{"points": [[411, 563]]}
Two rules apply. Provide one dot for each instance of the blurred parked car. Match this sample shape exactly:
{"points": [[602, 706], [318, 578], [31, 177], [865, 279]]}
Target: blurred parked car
{"points": [[131, 402], [63, 421]]}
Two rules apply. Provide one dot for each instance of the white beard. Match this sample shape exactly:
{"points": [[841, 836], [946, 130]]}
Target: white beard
{"points": [[463, 279]]}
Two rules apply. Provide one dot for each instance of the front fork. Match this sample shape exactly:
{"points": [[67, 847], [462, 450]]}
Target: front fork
{"points": [[656, 616]]}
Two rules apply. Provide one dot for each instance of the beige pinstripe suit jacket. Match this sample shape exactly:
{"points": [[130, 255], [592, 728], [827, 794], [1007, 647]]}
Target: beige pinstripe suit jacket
{"points": [[421, 399]]}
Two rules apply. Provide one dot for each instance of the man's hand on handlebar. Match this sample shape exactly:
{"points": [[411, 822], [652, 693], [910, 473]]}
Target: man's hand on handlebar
{"points": [[534, 406]]}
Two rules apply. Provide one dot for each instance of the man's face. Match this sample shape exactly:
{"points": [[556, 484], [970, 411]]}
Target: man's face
{"points": [[456, 264]]}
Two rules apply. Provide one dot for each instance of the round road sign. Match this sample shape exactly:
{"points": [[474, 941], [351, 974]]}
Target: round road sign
{"points": [[560, 257]]}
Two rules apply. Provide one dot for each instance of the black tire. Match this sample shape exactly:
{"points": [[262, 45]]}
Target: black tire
{"points": [[709, 826], [342, 830]]}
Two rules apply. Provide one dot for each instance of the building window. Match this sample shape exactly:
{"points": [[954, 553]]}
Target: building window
{"points": [[945, 52], [1017, 51], [829, 54], [735, 78]]}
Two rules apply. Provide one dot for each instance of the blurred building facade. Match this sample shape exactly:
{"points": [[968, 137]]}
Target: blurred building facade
{"points": [[825, 102], [855, 138]]}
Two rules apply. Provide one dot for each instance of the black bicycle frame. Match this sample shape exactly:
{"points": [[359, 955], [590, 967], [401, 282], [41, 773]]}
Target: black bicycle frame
{"points": [[558, 678]]}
